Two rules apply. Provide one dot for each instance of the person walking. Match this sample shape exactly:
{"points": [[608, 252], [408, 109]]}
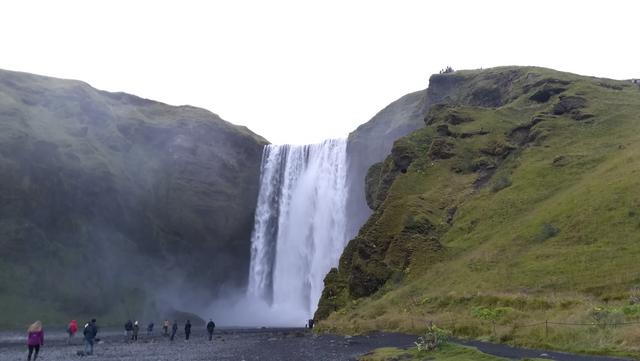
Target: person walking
{"points": [[150, 329], [174, 329], [165, 328], [71, 330], [90, 332], [187, 330], [35, 339], [136, 329], [210, 327]]}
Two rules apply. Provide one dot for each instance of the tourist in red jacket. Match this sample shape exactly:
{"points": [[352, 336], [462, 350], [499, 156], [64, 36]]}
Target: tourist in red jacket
{"points": [[72, 329]]}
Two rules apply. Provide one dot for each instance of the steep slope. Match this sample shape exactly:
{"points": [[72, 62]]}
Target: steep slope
{"points": [[108, 201], [517, 202], [371, 142]]}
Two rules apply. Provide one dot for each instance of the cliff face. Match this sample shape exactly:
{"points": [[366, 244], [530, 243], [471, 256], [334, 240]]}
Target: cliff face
{"points": [[108, 200], [371, 142], [507, 196]]}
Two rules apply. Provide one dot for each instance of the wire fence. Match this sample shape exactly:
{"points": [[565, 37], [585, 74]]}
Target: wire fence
{"points": [[545, 323]]}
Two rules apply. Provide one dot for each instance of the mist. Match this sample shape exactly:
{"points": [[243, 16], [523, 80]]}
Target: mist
{"points": [[241, 310]]}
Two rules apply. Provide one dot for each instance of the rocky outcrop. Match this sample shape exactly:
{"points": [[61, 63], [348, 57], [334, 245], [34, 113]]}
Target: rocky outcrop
{"points": [[371, 142], [108, 200]]}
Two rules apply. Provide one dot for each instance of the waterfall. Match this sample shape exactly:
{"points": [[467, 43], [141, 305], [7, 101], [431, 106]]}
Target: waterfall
{"points": [[300, 224]]}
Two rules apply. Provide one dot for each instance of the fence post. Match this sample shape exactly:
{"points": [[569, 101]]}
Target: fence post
{"points": [[546, 328]]}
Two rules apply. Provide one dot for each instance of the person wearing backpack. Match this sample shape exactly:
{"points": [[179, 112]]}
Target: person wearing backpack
{"points": [[90, 332], [210, 327]]}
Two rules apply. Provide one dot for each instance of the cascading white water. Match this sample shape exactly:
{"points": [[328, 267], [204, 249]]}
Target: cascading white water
{"points": [[300, 224]]}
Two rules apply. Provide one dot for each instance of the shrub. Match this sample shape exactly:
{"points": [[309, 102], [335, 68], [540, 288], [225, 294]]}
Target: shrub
{"points": [[547, 230], [607, 315], [434, 337], [631, 311], [489, 314]]}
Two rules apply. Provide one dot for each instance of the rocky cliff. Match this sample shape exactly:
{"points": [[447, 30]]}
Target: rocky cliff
{"points": [[515, 202], [371, 142], [108, 201]]}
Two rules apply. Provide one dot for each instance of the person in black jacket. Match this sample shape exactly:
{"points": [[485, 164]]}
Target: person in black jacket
{"points": [[128, 327], [90, 332], [174, 329], [187, 329], [210, 327]]}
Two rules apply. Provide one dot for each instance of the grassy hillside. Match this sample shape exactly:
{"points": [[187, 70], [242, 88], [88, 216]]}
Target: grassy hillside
{"points": [[110, 203], [518, 202], [448, 352]]}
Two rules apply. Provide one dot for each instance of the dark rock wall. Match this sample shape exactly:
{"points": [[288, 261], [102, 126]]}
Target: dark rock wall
{"points": [[118, 195]]}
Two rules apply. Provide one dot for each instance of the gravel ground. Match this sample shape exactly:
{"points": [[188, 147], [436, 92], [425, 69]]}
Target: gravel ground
{"points": [[267, 344], [245, 345]]}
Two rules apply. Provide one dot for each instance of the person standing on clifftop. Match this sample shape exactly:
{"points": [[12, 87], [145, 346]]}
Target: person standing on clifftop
{"points": [[187, 330], [174, 329], [35, 339], [210, 327]]}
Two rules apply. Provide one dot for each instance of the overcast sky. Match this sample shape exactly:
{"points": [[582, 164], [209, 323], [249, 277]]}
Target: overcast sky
{"points": [[302, 71]]}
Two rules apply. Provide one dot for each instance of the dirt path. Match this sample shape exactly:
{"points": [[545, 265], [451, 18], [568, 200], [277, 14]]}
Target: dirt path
{"points": [[507, 351]]}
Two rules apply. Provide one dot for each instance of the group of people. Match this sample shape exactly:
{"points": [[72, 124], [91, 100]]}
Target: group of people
{"points": [[35, 334], [132, 329], [90, 334], [187, 329]]}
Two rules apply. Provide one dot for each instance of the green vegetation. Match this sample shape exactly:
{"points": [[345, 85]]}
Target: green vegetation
{"points": [[433, 339], [521, 193], [449, 352]]}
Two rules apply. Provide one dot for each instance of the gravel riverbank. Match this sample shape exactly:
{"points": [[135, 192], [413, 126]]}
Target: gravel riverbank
{"points": [[237, 345]]}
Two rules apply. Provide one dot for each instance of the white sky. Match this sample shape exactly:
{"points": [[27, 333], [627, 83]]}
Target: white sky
{"points": [[303, 71]]}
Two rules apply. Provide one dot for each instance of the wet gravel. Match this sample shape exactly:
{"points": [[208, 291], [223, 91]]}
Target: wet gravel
{"points": [[248, 345]]}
